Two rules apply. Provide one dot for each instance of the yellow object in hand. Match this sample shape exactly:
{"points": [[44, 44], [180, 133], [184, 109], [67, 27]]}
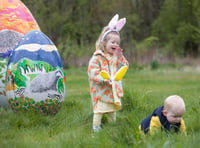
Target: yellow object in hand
{"points": [[105, 75], [120, 73]]}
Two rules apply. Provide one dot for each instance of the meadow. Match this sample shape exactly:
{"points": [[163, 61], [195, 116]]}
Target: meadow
{"points": [[144, 90]]}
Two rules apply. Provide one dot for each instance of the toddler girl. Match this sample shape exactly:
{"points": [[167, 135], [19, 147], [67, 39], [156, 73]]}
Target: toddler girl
{"points": [[108, 57]]}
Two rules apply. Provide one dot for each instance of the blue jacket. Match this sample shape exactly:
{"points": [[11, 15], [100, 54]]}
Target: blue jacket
{"points": [[165, 125]]}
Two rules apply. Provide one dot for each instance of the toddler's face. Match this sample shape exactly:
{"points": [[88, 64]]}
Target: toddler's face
{"points": [[174, 116], [112, 44]]}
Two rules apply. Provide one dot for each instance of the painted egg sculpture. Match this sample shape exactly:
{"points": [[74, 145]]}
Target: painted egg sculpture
{"points": [[15, 21], [35, 78]]}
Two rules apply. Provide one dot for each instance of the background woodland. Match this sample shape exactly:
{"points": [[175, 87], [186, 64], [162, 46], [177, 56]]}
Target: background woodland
{"points": [[157, 31]]}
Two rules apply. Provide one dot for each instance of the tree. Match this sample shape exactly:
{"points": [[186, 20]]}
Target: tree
{"points": [[178, 26]]}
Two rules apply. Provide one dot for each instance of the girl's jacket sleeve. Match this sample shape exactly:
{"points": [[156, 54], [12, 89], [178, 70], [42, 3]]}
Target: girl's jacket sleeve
{"points": [[94, 70]]}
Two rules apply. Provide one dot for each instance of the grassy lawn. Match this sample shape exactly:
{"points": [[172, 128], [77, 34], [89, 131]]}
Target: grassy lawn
{"points": [[71, 127]]}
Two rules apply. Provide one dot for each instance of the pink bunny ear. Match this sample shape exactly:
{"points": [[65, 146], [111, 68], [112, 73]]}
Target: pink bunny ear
{"points": [[113, 22], [120, 24]]}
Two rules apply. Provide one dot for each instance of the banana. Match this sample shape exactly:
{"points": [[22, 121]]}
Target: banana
{"points": [[105, 75], [120, 73]]}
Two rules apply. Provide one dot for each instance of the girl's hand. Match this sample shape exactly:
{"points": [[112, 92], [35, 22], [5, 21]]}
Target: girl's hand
{"points": [[119, 53], [109, 82]]}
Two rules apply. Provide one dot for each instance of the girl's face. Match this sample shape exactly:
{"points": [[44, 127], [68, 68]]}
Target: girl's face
{"points": [[112, 43]]}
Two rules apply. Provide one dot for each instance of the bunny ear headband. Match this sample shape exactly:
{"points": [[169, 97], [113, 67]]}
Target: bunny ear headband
{"points": [[114, 25]]}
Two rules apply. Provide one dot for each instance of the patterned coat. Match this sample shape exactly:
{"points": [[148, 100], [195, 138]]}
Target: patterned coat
{"points": [[101, 89]]}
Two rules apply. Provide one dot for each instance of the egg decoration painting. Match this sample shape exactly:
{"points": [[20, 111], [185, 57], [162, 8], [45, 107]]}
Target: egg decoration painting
{"points": [[14, 15], [15, 21], [35, 78]]}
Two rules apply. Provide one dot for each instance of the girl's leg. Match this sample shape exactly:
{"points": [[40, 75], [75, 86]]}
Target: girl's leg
{"points": [[97, 121], [111, 117]]}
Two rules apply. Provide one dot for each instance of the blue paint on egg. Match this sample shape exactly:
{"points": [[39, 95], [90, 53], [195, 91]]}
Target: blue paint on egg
{"points": [[38, 40], [35, 78]]}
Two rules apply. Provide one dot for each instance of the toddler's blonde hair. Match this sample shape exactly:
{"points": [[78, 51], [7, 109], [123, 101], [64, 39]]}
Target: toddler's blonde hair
{"points": [[174, 102]]}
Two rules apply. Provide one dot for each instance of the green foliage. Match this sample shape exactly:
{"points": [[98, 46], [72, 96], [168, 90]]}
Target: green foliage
{"points": [[154, 64], [75, 25], [71, 126], [187, 38], [148, 43], [178, 25]]}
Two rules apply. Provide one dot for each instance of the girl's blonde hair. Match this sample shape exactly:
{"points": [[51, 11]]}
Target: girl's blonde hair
{"points": [[100, 44]]}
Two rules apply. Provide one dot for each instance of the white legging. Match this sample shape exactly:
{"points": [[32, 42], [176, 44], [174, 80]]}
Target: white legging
{"points": [[98, 116]]}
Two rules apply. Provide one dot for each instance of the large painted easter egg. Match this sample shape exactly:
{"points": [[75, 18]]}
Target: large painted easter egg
{"points": [[35, 75], [15, 21]]}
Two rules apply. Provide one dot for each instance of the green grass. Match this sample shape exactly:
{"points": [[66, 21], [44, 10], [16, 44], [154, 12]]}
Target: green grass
{"points": [[71, 126]]}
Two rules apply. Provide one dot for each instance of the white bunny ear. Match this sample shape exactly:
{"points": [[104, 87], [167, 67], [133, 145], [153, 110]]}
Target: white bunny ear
{"points": [[120, 24], [113, 22]]}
